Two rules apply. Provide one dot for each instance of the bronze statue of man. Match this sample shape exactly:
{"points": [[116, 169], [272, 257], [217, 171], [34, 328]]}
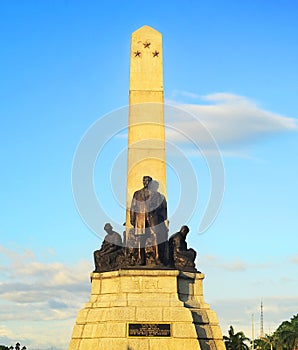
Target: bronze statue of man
{"points": [[111, 248], [148, 215], [180, 256]]}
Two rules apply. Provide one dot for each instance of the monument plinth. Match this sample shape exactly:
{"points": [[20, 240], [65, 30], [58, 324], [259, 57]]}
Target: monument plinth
{"points": [[146, 292], [147, 310]]}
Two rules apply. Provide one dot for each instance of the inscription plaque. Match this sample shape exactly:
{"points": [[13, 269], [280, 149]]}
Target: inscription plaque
{"points": [[149, 329]]}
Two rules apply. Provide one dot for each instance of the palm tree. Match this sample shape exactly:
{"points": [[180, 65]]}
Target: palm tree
{"points": [[236, 341], [17, 347], [265, 343], [287, 334]]}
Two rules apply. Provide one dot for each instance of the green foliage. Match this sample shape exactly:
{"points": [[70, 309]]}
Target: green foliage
{"points": [[236, 341], [265, 343], [284, 338], [17, 347], [286, 335]]}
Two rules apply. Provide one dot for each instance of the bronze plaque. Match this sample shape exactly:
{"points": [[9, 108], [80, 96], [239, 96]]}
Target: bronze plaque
{"points": [[149, 329]]}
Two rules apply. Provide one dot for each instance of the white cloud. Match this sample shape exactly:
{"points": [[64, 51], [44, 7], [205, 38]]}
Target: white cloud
{"points": [[229, 118], [5, 331], [223, 264], [40, 296], [234, 264], [294, 259]]}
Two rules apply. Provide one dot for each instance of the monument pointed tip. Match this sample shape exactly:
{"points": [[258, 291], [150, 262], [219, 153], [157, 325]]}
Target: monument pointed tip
{"points": [[146, 28]]}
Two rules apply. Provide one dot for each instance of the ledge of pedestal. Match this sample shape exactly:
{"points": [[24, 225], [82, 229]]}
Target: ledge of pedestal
{"points": [[147, 272], [146, 296]]}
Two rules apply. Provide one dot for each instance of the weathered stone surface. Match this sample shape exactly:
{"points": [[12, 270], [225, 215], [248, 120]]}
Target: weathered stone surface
{"points": [[96, 314], [143, 344], [74, 344], [180, 329], [174, 344], [148, 314], [82, 316], [112, 343], [88, 344], [90, 331], [208, 332], [212, 345], [115, 329], [77, 331], [146, 296], [176, 314]]}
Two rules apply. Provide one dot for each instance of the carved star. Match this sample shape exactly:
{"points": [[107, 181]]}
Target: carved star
{"points": [[155, 53], [137, 53], [146, 45]]}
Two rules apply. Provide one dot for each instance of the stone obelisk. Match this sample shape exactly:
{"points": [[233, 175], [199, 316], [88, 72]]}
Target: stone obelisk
{"points": [[141, 308], [146, 131]]}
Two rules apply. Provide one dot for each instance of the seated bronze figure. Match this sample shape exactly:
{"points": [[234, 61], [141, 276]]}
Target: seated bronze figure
{"points": [[180, 256], [107, 257]]}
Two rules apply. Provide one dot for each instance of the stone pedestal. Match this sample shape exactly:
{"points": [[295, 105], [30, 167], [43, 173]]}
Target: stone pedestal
{"points": [[146, 310]]}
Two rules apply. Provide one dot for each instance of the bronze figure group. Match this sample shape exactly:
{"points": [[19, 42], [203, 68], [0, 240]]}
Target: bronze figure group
{"points": [[146, 243]]}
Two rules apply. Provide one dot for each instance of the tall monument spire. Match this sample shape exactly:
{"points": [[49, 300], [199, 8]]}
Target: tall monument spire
{"points": [[160, 305], [146, 132]]}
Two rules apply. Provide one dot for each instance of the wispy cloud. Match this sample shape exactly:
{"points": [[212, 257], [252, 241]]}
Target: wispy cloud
{"points": [[294, 259], [218, 262], [33, 292], [230, 119], [236, 264]]}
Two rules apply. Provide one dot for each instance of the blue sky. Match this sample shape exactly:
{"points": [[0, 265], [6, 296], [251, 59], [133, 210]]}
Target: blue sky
{"points": [[64, 65]]}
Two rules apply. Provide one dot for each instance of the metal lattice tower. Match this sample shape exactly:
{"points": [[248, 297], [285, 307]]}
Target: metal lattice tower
{"points": [[262, 322]]}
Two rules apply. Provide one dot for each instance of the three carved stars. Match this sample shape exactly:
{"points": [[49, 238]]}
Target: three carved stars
{"points": [[146, 46]]}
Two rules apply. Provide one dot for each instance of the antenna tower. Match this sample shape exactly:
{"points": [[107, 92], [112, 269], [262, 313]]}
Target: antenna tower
{"points": [[252, 332], [262, 322]]}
